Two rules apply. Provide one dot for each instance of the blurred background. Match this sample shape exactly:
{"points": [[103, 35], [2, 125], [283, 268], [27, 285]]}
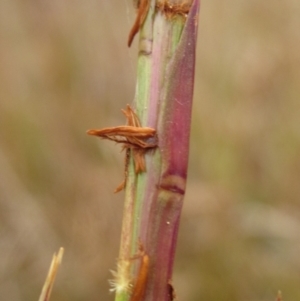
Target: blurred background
{"points": [[65, 68]]}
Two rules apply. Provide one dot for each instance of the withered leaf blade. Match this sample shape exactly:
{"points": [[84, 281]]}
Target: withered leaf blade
{"points": [[143, 7], [125, 131], [133, 137]]}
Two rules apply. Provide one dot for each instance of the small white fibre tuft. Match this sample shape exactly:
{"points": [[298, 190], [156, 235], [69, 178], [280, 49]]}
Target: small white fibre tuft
{"points": [[122, 281]]}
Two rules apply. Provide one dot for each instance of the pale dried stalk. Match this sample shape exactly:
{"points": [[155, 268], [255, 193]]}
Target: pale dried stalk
{"points": [[49, 282]]}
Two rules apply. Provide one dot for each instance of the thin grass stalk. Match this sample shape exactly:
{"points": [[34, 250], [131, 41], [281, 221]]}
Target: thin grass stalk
{"points": [[153, 199], [49, 282]]}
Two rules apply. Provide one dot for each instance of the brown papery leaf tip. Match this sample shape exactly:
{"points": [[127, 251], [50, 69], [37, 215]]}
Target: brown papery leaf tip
{"points": [[92, 132], [140, 18], [120, 187]]}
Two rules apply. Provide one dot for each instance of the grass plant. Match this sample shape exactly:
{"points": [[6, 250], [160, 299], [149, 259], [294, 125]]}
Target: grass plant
{"points": [[154, 194]]}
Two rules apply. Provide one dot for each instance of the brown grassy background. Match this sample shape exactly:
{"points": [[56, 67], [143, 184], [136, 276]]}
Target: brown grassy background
{"points": [[65, 68]]}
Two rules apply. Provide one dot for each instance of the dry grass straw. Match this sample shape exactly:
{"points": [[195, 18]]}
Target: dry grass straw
{"points": [[48, 285]]}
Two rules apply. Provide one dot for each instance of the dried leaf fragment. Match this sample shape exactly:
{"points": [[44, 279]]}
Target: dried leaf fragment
{"points": [[133, 137], [171, 9], [142, 275], [143, 7], [124, 131], [48, 285]]}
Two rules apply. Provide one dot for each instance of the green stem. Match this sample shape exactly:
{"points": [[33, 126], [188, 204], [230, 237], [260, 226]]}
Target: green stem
{"points": [[153, 200]]}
